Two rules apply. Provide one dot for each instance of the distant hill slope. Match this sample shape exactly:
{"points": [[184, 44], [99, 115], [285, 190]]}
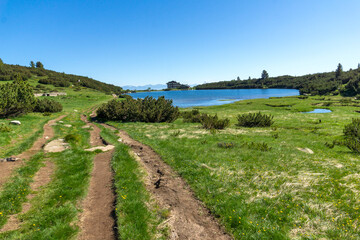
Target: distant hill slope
{"points": [[145, 87], [9, 72], [346, 83]]}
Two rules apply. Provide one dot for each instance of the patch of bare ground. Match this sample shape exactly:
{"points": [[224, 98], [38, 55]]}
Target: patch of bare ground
{"points": [[188, 219], [96, 220], [8, 167], [41, 178]]}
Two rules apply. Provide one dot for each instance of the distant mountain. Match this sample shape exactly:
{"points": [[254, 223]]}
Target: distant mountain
{"points": [[144, 87]]}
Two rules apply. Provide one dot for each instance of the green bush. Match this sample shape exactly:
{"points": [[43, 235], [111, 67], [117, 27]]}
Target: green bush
{"points": [[4, 128], [193, 116], [213, 122], [264, 147], [226, 145], [16, 98], [72, 138], [148, 109], [352, 135], [255, 120], [47, 106]]}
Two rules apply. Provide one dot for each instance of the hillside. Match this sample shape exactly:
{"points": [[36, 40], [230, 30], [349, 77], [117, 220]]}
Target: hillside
{"points": [[9, 72], [345, 83]]}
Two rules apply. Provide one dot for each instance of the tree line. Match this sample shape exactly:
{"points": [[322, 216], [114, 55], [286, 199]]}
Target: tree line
{"points": [[11, 72], [341, 82]]}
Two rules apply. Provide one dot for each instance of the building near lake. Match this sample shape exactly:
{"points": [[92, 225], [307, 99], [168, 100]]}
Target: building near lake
{"points": [[176, 85]]}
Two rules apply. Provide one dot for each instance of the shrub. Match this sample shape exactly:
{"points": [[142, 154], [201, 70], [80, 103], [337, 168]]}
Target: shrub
{"points": [[213, 122], [72, 138], [47, 106], [4, 128], [192, 116], [255, 120], [352, 135], [226, 145], [148, 109], [264, 147], [16, 98]]}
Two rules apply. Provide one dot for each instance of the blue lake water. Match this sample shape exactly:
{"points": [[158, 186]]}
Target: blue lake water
{"points": [[192, 98], [319, 110]]}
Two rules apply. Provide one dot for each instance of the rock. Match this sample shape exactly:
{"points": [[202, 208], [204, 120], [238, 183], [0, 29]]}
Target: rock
{"points": [[86, 126], [57, 145], [2, 160], [12, 159], [120, 140], [15, 122], [102, 148], [306, 150], [75, 110], [67, 125], [61, 121], [46, 137]]}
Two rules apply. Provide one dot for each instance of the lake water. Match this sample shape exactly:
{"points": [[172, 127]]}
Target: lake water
{"points": [[319, 110], [192, 98]]}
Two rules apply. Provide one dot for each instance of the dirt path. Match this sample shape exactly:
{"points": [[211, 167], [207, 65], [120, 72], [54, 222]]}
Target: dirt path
{"points": [[96, 221], [8, 167], [41, 178], [189, 219]]}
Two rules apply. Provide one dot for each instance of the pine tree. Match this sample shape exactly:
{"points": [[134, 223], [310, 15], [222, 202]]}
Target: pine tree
{"points": [[238, 78], [339, 70], [264, 74], [39, 65], [32, 64]]}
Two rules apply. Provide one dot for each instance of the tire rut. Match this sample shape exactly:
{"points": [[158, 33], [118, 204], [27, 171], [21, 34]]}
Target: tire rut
{"points": [[96, 220], [189, 219], [8, 167]]}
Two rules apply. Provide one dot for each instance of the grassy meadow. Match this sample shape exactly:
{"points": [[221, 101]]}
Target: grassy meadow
{"points": [[282, 193]]}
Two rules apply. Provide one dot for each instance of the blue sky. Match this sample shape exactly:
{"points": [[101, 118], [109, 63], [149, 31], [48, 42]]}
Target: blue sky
{"points": [[138, 42]]}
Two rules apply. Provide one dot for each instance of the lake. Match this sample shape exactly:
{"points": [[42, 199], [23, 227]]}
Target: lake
{"points": [[192, 98]]}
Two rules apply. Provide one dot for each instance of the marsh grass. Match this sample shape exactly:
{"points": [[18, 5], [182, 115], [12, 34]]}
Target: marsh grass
{"points": [[279, 194]]}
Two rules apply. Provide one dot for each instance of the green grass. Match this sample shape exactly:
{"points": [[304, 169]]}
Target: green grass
{"points": [[282, 193], [21, 137], [134, 218], [14, 192], [55, 208]]}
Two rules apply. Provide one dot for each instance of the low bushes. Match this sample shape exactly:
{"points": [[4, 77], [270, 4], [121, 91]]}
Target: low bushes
{"points": [[47, 106], [193, 116], [352, 135], [148, 109], [213, 122], [255, 120]]}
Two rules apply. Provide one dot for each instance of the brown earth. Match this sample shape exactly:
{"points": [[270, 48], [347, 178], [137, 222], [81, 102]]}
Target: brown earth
{"points": [[41, 178], [96, 220], [8, 167], [189, 219]]}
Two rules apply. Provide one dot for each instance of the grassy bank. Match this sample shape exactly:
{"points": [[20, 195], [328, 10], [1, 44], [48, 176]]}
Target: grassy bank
{"points": [[283, 193]]}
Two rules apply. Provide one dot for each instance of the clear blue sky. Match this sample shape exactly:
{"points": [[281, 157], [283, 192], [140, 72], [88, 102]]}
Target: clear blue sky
{"points": [[138, 42]]}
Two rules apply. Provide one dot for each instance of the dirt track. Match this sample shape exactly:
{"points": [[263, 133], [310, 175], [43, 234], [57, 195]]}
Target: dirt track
{"points": [[96, 221], [8, 167], [189, 219]]}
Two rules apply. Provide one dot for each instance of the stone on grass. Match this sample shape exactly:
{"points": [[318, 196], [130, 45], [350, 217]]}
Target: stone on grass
{"points": [[57, 145], [102, 148], [67, 125], [15, 122], [306, 150]]}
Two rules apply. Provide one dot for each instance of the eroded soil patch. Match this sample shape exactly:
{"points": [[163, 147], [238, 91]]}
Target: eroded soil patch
{"points": [[96, 220]]}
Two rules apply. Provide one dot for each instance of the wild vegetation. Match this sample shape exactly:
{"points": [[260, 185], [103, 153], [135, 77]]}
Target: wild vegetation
{"points": [[11, 72], [263, 183], [148, 109], [254, 120], [341, 82]]}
